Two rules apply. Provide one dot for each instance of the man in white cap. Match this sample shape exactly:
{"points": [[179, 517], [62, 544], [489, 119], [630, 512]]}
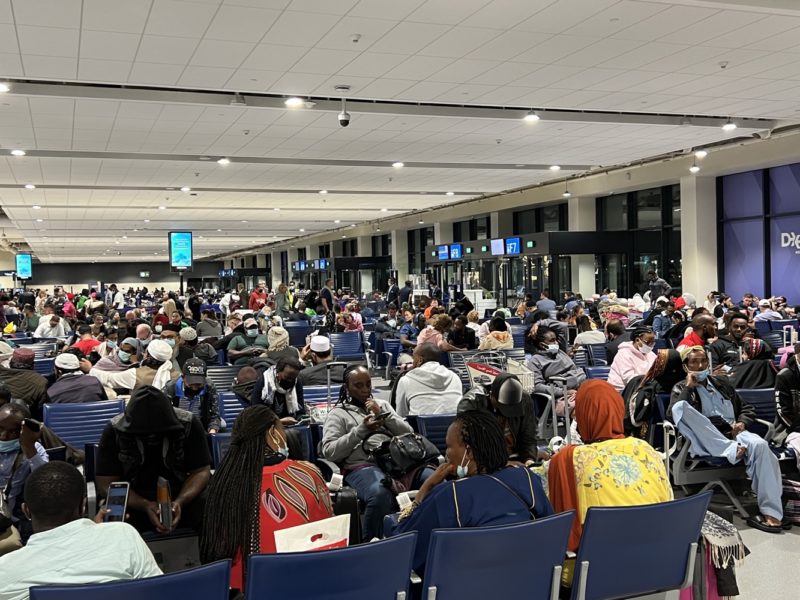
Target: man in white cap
{"points": [[765, 312], [319, 352], [187, 342], [155, 369], [72, 385]]}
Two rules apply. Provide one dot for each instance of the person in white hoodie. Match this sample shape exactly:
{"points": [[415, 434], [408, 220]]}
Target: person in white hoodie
{"points": [[429, 388]]}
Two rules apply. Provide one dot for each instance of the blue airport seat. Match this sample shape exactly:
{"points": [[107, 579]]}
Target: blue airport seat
{"points": [[44, 366], [581, 358], [518, 333], [81, 424], [663, 534], [298, 331], [597, 372], [220, 442], [598, 355], [454, 570], [209, 582], [362, 572], [304, 436], [763, 328], [434, 427], [765, 405], [779, 325], [319, 393], [222, 377], [348, 346], [231, 407]]}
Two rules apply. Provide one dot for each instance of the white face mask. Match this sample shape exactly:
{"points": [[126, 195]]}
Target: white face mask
{"points": [[552, 349]]}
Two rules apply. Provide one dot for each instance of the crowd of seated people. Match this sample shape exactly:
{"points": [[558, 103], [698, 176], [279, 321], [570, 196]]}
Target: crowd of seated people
{"points": [[158, 359]]}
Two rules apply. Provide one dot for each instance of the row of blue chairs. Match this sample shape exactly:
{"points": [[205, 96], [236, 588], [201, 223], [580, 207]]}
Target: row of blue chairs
{"points": [[638, 537]]}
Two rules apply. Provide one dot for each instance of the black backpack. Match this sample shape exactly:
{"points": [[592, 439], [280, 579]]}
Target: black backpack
{"points": [[402, 454]]}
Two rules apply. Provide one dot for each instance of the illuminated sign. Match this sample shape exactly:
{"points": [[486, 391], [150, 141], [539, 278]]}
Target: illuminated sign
{"points": [[444, 252], [180, 250], [24, 266], [513, 246], [498, 247], [456, 251]]}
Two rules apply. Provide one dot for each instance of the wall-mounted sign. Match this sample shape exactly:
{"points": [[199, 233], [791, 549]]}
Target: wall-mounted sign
{"points": [[180, 250], [24, 266]]}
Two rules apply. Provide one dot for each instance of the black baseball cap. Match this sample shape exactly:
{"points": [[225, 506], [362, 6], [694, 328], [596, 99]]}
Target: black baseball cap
{"points": [[194, 371], [507, 391]]}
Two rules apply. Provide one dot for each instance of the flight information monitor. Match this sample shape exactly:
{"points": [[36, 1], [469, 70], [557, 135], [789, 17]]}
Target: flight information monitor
{"points": [[513, 246], [180, 250], [498, 247], [24, 266], [456, 251], [444, 252]]}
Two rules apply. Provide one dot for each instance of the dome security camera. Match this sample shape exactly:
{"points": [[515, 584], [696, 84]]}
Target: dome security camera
{"points": [[344, 118]]}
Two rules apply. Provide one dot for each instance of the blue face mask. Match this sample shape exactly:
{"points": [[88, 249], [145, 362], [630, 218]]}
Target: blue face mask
{"points": [[124, 356], [111, 344], [9, 445], [252, 332], [702, 375], [170, 342], [462, 470]]}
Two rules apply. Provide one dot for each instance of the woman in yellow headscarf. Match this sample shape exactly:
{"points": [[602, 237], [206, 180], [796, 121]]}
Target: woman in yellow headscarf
{"points": [[610, 469]]}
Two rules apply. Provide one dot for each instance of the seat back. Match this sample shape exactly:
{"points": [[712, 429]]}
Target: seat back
{"points": [[434, 427], [764, 403], [598, 356], [581, 358], [515, 354], [779, 325], [597, 372], [379, 570], [518, 333], [303, 435], [663, 534], [392, 347], [347, 346], [81, 424], [44, 366], [298, 331], [498, 574], [220, 442], [41, 350], [222, 377], [209, 582], [231, 406], [773, 338], [318, 393], [762, 327]]}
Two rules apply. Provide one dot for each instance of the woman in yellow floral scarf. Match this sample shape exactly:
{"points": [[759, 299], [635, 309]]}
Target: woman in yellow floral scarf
{"points": [[610, 470]]}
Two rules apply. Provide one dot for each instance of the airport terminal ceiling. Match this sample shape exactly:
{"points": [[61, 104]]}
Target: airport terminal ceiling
{"points": [[137, 117]]}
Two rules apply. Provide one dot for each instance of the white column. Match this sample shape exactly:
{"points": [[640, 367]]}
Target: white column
{"points": [[501, 224], [582, 217], [443, 232], [276, 269], [400, 254], [699, 234], [364, 248]]}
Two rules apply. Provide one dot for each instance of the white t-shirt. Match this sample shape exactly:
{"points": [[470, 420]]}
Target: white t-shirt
{"points": [[76, 553]]}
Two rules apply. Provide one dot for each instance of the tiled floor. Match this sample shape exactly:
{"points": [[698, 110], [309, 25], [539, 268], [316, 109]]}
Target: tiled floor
{"points": [[773, 568]]}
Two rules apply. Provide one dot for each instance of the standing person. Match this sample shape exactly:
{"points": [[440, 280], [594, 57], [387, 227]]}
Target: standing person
{"points": [[283, 306], [658, 287], [405, 294], [326, 296], [55, 497], [393, 293], [258, 299], [258, 490]]}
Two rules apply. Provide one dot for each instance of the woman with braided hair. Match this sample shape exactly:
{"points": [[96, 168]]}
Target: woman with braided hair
{"points": [[475, 487], [356, 415], [256, 491]]}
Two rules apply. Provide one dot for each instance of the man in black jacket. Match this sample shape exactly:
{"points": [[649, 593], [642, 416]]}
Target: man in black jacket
{"points": [[513, 408], [193, 392], [405, 294], [787, 393], [393, 293], [714, 419], [736, 346]]}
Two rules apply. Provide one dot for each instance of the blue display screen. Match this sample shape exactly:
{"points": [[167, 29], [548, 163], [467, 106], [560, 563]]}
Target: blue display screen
{"points": [[513, 245], [456, 251], [444, 252], [180, 249], [302, 265], [498, 247], [316, 264], [24, 266], [324, 263]]}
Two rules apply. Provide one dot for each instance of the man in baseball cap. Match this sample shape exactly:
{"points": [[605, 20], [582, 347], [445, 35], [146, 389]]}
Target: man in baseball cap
{"points": [[193, 392], [512, 406], [244, 347]]}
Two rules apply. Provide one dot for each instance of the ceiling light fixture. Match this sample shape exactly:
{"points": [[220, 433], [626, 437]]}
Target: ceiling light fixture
{"points": [[162, 208], [338, 221], [531, 117], [449, 194], [147, 220], [244, 220], [219, 230], [18, 152], [729, 126], [276, 209], [566, 193], [555, 168], [39, 220], [377, 229], [135, 230], [398, 165], [302, 230], [186, 188], [36, 207], [4, 87], [124, 237], [421, 222], [30, 186], [694, 168], [323, 191], [294, 102], [344, 236], [701, 154], [352, 224], [224, 161]]}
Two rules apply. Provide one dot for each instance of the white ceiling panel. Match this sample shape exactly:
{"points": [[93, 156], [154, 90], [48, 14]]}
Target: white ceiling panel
{"points": [[241, 23]]}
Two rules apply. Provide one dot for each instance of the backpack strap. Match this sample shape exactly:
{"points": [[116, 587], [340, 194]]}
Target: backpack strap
{"points": [[530, 508]]}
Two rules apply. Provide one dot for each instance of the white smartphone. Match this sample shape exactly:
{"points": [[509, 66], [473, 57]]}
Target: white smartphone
{"points": [[117, 501]]}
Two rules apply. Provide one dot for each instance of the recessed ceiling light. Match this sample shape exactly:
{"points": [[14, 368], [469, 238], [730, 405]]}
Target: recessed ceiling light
{"points": [[701, 154], [162, 208], [117, 242], [276, 209], [135, 230], [219, 229], [294, 102], [323, 191], [352, 224], [147, 220], [18, 152], [201, 236], [555, 168], [398, 165], [244, 220], [224, 161], [302, 230], [30, 186], [449, 193], [4, 87], [124, 237], [338, 221], [186, 188], [39, 220], [729, 126], [36, 207], [531, 117], [384, 210], [155, 252]]}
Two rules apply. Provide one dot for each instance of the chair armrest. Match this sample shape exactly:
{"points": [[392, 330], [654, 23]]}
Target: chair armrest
{"points": [[328, 468], [770, 429]]}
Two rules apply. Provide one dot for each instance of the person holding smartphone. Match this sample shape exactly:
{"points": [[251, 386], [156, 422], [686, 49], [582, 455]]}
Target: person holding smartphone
{"points": [[20, 455]]}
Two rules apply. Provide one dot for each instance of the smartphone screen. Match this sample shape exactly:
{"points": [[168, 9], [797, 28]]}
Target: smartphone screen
{"points": [[117, 501]]}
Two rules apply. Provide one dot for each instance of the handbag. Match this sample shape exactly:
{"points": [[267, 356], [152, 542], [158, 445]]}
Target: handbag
{"points": [[401, 454]]}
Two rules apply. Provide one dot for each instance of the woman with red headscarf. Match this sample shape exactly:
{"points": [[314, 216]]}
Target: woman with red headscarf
{"points": [[610, 469]]}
